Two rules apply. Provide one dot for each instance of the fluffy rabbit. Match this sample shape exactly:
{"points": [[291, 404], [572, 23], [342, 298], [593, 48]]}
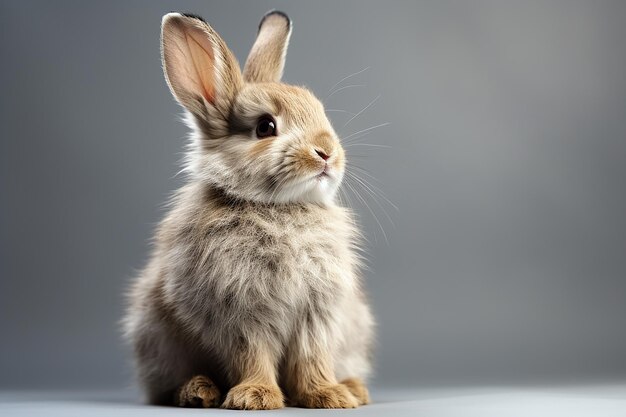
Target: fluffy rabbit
{"points": [[252, 296]]}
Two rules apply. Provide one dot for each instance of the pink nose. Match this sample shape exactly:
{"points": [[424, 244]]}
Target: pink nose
{"points": [[322, 155]]}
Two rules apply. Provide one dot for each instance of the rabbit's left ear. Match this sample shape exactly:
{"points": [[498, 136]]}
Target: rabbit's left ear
{"points": [[267, 57]]}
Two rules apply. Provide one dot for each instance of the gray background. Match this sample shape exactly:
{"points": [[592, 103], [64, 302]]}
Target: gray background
{"points": [[506, 258]]}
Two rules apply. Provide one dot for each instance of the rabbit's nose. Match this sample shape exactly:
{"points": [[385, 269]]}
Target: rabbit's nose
{"points": [[322, 154]]}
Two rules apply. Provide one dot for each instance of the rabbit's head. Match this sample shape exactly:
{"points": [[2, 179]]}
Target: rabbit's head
{"points": [[255, 138]]}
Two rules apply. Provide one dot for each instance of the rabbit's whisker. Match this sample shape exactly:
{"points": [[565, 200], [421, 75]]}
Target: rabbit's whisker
{"points": [[376, 194], [346, 78], [365, 130], [367, 144], [356, 193], [340, 111], [343, 88], [361, 112]]}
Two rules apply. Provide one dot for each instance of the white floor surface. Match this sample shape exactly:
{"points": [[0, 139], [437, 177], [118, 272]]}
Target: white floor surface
{"points": [[529, 401]]}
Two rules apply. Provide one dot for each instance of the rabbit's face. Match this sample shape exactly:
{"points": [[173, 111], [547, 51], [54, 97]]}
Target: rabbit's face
{"points": [[280, 147], [255, 138]]}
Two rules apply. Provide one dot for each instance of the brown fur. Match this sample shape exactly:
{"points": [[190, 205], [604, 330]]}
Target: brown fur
{"points": [[199, 391]]}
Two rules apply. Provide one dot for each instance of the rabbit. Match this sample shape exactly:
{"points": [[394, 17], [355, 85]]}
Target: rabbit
{"points": [[252, 296]]}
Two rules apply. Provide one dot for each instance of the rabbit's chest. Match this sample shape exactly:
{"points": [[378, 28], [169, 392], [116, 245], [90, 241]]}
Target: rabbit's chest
{"points": [[282, 261], [268, 270], [308, 256], [296, 275]]}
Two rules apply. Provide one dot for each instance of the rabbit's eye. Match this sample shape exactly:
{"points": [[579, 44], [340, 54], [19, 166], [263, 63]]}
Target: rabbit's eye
{"points": [[266, 127]]}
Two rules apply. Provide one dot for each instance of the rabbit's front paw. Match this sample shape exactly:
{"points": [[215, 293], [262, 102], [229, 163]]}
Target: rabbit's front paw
{"points": [[332, 396], [254, 397], [358, 389], [199, 391]]}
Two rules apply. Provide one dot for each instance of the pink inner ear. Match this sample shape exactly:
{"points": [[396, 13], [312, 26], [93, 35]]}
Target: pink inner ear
{"points": [[202, 59], [197, 63]]}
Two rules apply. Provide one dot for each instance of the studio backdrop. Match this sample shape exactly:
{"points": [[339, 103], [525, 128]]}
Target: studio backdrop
{"points": [[486, 142]]}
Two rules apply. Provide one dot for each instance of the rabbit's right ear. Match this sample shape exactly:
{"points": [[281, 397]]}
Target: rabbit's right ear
{"points": [[267, 57], [199, 68]]}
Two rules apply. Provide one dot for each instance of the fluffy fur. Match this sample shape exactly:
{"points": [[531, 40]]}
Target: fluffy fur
{"points": [[252, 292]]}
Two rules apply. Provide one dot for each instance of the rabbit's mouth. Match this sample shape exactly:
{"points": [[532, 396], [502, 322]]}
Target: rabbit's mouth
{"points": [[317, 187], [324, 180], [324, 174]]}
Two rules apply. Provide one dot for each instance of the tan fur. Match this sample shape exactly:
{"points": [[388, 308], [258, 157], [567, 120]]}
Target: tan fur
{"points": [[310, 378], [267, 57], [256, 372], [253, 285], [260, 148], [358, 389]]}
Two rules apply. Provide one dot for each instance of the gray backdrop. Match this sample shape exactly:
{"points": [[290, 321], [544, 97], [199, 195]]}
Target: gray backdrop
{"points": [[505, 260]]}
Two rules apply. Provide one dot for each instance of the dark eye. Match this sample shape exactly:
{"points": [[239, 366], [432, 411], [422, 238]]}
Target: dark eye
{"points": [[266, 127]]}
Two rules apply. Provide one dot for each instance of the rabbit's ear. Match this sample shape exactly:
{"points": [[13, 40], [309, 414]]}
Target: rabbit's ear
{"points": [[267, 57], [199, 67]]}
